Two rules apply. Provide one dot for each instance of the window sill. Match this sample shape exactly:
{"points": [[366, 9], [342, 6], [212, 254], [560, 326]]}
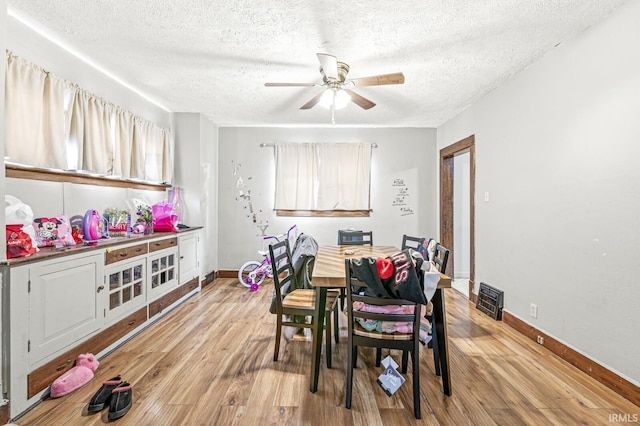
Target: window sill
{"points": [[324, 213], [36, 173]]}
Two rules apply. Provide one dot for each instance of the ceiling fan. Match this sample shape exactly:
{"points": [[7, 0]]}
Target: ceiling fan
{"points": [[337, 93]]}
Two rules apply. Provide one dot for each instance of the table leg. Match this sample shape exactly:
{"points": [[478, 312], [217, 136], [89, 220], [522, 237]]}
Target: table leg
{"points": [[318, 326], [440, 323]]}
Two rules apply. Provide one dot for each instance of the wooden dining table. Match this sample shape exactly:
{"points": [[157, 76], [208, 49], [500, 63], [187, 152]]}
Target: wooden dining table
{"points": [[329, 272]]}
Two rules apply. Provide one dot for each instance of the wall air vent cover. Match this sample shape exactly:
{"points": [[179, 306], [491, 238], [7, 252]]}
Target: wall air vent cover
{"points": [[490, 301]]}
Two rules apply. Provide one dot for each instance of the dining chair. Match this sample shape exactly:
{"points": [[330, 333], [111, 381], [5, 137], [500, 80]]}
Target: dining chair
{"points": [[355, 238], [359, 336], [411, 242], [440, 258], [298, 302], [349, 237]]}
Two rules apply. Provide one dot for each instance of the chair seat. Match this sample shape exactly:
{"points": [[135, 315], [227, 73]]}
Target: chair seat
{"points": [[361, 331], [306, 299]]}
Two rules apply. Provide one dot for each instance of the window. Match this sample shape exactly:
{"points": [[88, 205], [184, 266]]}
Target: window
{"points": [[322, 179], [53, 124]]}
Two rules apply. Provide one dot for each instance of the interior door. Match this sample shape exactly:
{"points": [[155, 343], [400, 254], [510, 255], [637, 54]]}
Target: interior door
{"points": [[447, 199]]}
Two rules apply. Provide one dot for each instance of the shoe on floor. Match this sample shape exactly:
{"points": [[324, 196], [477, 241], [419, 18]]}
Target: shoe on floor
{"points": [[102, 397], [121, 400], [76, 377]]}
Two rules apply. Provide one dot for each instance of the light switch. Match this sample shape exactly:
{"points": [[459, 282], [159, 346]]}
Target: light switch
{"points": [[486, 196]]}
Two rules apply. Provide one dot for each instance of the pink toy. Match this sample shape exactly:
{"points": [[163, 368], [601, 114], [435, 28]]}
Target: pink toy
{"points": [[75, 378]]}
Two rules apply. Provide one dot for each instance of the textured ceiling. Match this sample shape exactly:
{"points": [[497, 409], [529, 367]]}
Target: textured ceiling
{"points": [[214, 57]]}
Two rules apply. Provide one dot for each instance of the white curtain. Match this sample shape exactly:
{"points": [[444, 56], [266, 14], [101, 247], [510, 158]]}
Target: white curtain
{"points": [[123, 151], [34, 115], [52, 123], [295, 176], [159, 164], [167, 154], [98, 145], [325, 176]]}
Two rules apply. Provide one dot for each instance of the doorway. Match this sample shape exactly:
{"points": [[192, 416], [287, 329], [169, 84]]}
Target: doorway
{"points": [[461, 247]]}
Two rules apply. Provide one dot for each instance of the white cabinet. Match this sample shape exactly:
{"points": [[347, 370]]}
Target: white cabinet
{"points": [[189, 264], [63, 303]]}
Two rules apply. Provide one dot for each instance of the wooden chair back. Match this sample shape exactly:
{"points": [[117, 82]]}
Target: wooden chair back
{"points": [[355, 238], [411, 242]]}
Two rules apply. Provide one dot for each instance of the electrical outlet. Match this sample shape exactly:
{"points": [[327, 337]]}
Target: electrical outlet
{"points": [[533, 310], [540, 340]]}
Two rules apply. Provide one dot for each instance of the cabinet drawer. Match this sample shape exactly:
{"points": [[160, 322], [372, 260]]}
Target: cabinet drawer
{"points": [[163, 244], [117, 255], [157, 306], [43, 376], [168, 299]]}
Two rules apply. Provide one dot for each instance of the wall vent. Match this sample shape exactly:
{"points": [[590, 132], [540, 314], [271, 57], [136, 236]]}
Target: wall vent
{"points": [[490, 301]]}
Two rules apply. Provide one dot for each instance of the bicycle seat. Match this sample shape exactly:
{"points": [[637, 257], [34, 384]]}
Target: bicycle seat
{"points": [[262, 252]]}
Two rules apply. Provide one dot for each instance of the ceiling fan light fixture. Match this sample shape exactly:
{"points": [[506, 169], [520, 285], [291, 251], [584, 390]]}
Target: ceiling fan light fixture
{"points": [[338, 97]]}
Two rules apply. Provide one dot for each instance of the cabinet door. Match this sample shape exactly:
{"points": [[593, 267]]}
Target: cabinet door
{"points": [[126, 287], [163, 273], [63, 303], [188, 246]]}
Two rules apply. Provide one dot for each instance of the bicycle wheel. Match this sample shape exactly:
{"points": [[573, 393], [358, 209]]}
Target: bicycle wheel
{"points": [[244, 274]]}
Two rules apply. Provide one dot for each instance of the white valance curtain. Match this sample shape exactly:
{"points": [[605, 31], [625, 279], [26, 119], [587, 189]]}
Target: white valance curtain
{"points": [[322, 176], [53, 123], [34, 115]]}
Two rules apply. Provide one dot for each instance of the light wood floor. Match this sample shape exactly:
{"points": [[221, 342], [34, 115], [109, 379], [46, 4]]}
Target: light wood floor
{"points": [[209, 362]]}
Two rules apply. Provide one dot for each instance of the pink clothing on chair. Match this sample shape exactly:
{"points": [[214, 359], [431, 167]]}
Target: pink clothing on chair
{"points": [[391, 327]]}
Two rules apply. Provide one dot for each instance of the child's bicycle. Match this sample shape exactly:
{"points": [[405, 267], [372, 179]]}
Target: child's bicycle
{"points": [[252, 273]]}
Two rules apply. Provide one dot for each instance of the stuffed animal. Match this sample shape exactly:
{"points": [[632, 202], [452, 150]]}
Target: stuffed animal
{"points": [[75, 378]]}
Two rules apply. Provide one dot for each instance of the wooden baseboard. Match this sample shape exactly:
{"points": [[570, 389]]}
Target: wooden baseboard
{"points": [[605, 376], [226, 273]]}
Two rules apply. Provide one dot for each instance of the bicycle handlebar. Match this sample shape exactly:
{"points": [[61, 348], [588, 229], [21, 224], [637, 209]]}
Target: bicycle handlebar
{"points": [[279, 236]]}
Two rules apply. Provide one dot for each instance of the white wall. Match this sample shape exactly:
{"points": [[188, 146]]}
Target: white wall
{"points": [[55, 198], [403, 153], [195, 170], [557, 148]]}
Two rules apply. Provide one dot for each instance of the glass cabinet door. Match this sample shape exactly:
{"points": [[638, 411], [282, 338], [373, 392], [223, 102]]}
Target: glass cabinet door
{"points": [[126, 283], [163, 272]]}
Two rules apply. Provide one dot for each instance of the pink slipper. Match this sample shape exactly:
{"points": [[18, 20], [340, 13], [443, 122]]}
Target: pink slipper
{"points": [[75, 378]]}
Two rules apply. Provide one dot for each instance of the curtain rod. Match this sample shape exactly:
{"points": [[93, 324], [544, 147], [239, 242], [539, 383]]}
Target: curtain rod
{"points": [[263, 145]]}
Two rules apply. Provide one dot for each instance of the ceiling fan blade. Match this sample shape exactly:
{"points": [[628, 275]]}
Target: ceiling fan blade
{"points": [[361, 101], [329, 65], [313, 102], [290, 84], [379, 80]]}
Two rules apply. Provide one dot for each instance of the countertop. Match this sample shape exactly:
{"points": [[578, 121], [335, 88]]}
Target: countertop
{"points": [[50, 252]]}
